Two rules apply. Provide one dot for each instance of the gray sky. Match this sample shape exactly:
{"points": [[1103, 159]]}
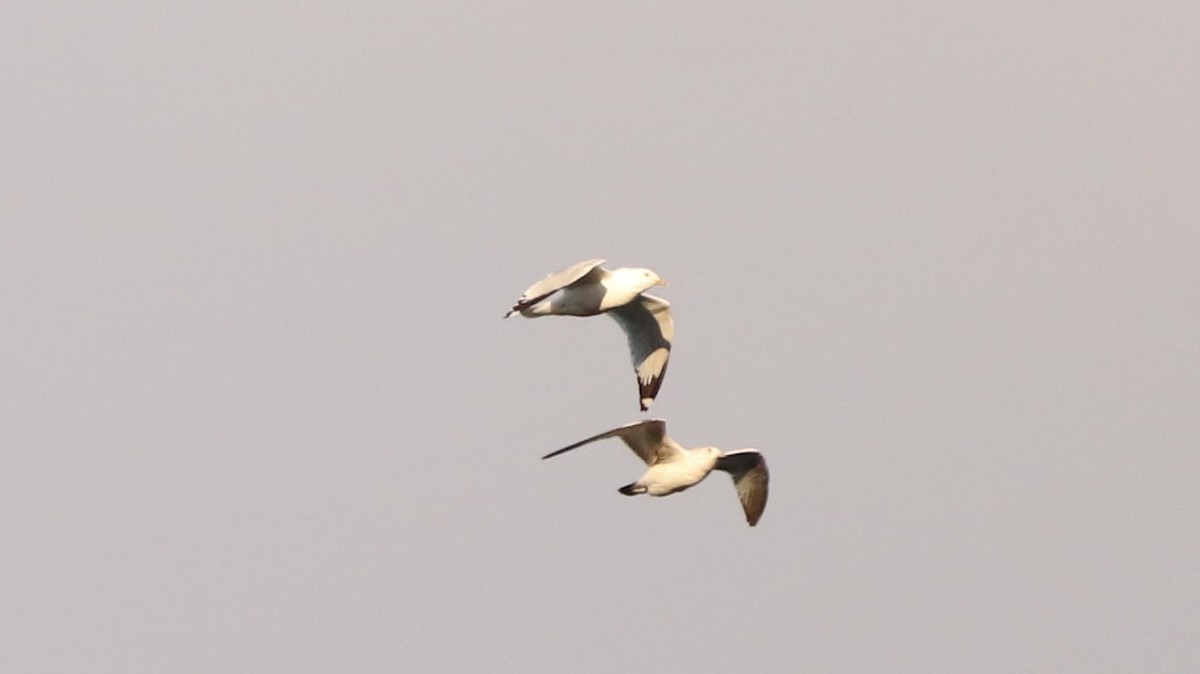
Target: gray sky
{"points": [[938, 261]]}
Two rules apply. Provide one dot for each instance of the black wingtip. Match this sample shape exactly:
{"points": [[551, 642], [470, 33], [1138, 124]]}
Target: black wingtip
{"points": [[648, 391]]}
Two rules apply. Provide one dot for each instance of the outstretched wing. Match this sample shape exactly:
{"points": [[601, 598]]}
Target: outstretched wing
{"points": [[750, 478], [648, 439], [648, 324], [553, 283]]}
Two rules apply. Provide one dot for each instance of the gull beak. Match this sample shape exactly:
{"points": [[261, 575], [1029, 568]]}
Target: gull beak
{"points": [[661, 282]]}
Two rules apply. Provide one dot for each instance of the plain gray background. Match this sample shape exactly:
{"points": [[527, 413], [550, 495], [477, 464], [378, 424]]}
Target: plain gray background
{"points": [[937, 260]]}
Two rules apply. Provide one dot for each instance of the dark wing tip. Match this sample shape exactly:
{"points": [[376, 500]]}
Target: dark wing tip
{"points": [[648, 390]]}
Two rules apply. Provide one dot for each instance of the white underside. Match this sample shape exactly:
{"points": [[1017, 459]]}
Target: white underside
{"points": [[670, 477]]}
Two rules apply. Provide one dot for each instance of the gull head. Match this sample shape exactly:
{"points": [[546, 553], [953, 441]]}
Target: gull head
{"points": [[640, 278], [709, 455]]}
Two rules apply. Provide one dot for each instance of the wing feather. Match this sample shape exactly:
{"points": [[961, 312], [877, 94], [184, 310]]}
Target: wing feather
{"points": [[555, 282], [750, 479], [648, 439], [648, 325]]}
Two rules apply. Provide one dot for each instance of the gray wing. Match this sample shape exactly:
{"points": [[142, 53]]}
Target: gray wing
{"points": [[648, 324], [750, 478], [553, 283], [648, 439]]}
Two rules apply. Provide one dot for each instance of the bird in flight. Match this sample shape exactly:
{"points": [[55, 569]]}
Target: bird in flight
{"points": [[672, 469], [587, 289]]}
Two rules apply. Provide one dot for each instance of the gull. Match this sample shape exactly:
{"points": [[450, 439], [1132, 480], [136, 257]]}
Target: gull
{"points": [[587, 289], [673, 468]]}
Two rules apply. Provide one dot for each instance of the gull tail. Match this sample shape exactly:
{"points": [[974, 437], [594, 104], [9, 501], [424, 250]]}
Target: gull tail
{"points": [[632, 489]]}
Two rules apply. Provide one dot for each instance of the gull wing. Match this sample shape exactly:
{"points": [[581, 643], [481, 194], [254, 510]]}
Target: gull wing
{"points": [[648, 324], [750, 478], [555, 282], [648, 439]]}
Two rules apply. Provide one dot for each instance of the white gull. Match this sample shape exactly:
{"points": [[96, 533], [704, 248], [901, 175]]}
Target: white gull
{"points": [[673, 469], [587, 289]]}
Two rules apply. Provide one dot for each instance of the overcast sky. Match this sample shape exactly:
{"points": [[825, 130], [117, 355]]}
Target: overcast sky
{"points": [[938, 261]]}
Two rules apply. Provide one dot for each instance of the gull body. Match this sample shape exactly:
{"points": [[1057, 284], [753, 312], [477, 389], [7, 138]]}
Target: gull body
{"points": [[672, 468], [597, 291], [588, 289]]}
